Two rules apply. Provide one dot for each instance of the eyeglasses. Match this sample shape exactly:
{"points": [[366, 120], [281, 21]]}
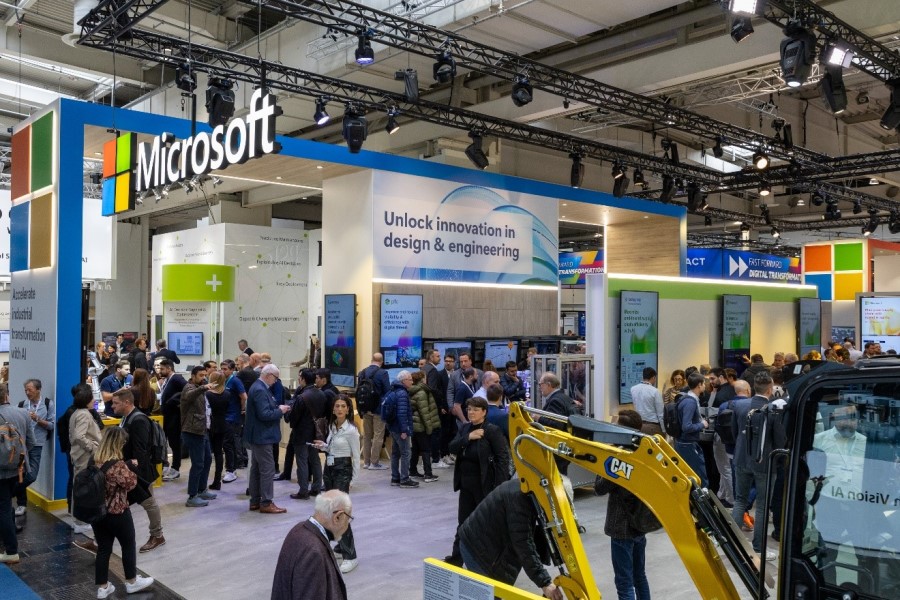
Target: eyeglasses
{"points": [[348, 515], [544, 383]]}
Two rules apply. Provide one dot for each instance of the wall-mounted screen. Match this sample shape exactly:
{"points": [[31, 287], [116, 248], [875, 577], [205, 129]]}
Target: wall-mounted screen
{"points": [[452, 349], [638, 339], [735, 331], [500, 351], [340, 338], [809, 321], [4, 340], [879, 320], [401, 332], [838, 333], [185, 343]]}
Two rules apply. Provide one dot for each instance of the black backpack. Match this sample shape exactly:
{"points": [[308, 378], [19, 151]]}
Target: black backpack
{"points": [[724, 419], [158, 443], [672, 417], [89, 492], [764, 432], [366, 398]]}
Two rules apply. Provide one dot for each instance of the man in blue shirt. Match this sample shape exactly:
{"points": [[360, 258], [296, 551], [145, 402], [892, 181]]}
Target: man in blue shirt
{"points": [[692, 424], [113, 383], [41, 415], [497, 413], [233, 418]]}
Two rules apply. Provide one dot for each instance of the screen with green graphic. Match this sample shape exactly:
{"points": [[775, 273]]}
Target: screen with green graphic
{"points": [[735, 331], [638, 339], [809, 322]]}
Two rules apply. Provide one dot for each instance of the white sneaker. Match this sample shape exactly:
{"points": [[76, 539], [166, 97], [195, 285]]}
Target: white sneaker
{"points": [[172, 474], [82, 528], [349, 565], [140, 583], [440, 465], [377, 467], [229, 477], [106, 592], [20, 510], [449, 460], [770, 556]]}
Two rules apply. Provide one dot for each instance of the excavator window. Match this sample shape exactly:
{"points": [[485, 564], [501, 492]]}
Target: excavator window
{"points": [[851, 520]]}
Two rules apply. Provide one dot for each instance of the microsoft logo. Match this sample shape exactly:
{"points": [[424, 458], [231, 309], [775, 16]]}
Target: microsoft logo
{"points": [[118, 190]]}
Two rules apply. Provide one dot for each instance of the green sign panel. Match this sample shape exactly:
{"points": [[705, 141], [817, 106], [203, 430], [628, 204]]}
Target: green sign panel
{"points": [[197, 283]]}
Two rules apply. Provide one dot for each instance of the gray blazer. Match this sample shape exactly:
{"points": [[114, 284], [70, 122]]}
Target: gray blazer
{"points": [[18, 417]]}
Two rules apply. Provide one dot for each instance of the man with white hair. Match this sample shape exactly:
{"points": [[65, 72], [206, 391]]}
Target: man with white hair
{"points": [[261, 430], [307, 569]]}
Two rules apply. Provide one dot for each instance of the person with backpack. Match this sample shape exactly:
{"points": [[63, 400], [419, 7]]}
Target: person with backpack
{"points": [[42, 414], [84, 439], [16, 439], [65, 445], [117, 524], [138, 448], [397, 414], [687, 432], [372, 385], [749, 472], [723, 445]]}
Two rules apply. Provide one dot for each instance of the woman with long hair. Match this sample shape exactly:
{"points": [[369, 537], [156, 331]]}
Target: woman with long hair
{"points": [[117, 524], [342, 466], [673, 386], [144, 398]]}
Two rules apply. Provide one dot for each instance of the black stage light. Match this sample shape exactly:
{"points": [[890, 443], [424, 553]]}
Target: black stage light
{"points": [[620, 187], [891, 117], [747, 7], [894, 223], [696, 199], [833, 90], [639, 178], [745, 227], [392, 126], [219, 100], [872, 225], [765, 188], [444, 69], [707, 220], [857, 207], [836, 54], [522, 92], [776, 233], [817, 198], [717, 149], [668, 188], [764, 211], [185, 80], [410, 79], [787, 139], [321, 115], [617, 170], [364, 53], [760, 160], [576, 177], [832, 212], [355, 130], [97, 178], [798, 51], [673, 154], [741, 29], [475, 152]]}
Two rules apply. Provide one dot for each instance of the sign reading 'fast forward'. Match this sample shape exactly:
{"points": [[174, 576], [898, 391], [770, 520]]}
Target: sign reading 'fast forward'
{"points": [[197, 283]]}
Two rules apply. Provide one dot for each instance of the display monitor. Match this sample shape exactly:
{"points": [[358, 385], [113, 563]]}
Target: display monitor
{"points": [[451, 348], [4, 340], [638, 339], [735, 331], [879, 321], [401, 331], [186, 343], [500, 352], [809, 321], [340, 338]]}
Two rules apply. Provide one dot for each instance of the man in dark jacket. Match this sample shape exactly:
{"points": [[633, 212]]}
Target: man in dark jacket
{"points": [[163, 352], [401, 428], [138, 356], [171, 385], [556, 401], [194, 426], [513, 386], [373, 426], [261, 430], [757, 365], [138, 426], [688, 445], [309, 404], [498, 539]]}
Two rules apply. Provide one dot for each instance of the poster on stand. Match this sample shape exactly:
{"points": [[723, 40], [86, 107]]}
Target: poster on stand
{"points": [[735, 331], [810, 322], [401, 332], [879, 320], [638, 339], [340, 338]]}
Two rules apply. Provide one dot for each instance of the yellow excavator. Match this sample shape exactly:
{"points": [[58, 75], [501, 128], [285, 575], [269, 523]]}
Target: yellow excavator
{"points": [[840, 515]]}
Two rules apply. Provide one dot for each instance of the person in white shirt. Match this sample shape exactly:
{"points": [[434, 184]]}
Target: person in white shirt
{"points": [[648, 402]]}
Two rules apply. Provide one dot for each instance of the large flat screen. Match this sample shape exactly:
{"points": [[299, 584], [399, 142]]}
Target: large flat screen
{"points": [[401, 332], [500, 351], [638, 339], [735, 331], [450, 348], [340, 338], [810, 324], [186, 343], [879, 321], [4, 340]]}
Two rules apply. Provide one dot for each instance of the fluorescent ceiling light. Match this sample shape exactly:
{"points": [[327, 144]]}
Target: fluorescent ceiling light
{"points": [[264, 182]]}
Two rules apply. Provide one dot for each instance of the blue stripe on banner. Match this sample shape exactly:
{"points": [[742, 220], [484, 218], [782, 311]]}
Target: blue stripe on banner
{"points": [[18, 236]]}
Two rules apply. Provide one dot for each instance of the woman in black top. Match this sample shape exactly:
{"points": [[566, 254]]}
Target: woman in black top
{"points": [[218, 399], [482, 463]]}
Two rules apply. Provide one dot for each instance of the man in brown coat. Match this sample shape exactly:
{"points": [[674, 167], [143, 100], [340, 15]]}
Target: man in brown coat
{"points": [[307, 569]]}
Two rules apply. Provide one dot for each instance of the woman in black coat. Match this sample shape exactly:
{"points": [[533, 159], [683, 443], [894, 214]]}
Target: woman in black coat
{"points": [[482, 463]]}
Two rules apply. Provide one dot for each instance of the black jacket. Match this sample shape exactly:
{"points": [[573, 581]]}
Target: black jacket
{"points": [[170, 401], [501, 534], [493, 456], [138, 359], [137, 424], [309, 404], [559, 403], [166, 353]]}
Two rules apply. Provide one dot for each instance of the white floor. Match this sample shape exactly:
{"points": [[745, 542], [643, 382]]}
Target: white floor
{"points": [[224, 552]]}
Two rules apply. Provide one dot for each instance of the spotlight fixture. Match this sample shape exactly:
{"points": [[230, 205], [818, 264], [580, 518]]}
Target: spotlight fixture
{"points": [[185, 80], [837, 55], [776, 233], [817, 198], [157, 194], [639, 179], [522, 92], [475, 152], [354, 129], [798, 51], [857, 207], [707, 220], [364, 53], [673, 156], [746, 7], [891, 118], [894, 223], [668, 188], [696, 199], [620, 187], [717, 149], [219, 100], [96, 178], [410, 79], [142, 196], [618, 170], [576, 176], [787, 139], [321, 115], [793, 201], [765, 188], [760, 160], [392, 126], [745, 227], [833, 90], [832, 212], [869, 228], [444, 69], [764, 211], [741, 29]]}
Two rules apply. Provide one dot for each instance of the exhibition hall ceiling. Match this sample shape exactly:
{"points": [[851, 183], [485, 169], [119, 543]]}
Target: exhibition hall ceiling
{"points": [[681, 52]]}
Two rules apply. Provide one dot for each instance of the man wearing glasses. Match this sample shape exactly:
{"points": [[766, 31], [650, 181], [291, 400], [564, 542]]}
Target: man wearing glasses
{"points": [[299, 574], [261, 430]]}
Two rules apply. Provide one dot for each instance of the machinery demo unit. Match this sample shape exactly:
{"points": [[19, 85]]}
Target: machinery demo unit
{"points": [[840, 519]]}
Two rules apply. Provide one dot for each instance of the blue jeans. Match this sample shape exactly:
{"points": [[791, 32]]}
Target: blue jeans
{"points": [[200, 453], [628, 568], [693, 456], [34, 464], [399, 458], [745, 478]]}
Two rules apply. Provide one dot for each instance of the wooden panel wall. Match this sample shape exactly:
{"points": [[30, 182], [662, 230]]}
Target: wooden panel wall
{"points": [[646, 247]]}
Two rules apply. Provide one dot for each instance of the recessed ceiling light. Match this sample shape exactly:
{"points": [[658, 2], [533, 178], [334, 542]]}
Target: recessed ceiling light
{"points": [[646, 217], [279, 177], [98, 154], [319, 167]]}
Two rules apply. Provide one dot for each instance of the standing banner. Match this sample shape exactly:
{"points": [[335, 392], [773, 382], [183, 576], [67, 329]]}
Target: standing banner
{"points": [[340, 338], [735, 331], [573, 266], [638, 339], [401, 332], [810, 321]]}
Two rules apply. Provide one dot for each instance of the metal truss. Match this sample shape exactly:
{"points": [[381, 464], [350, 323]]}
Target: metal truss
{"points": [[724, 240], [870, 56], [124, 13], [330, 43]]}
